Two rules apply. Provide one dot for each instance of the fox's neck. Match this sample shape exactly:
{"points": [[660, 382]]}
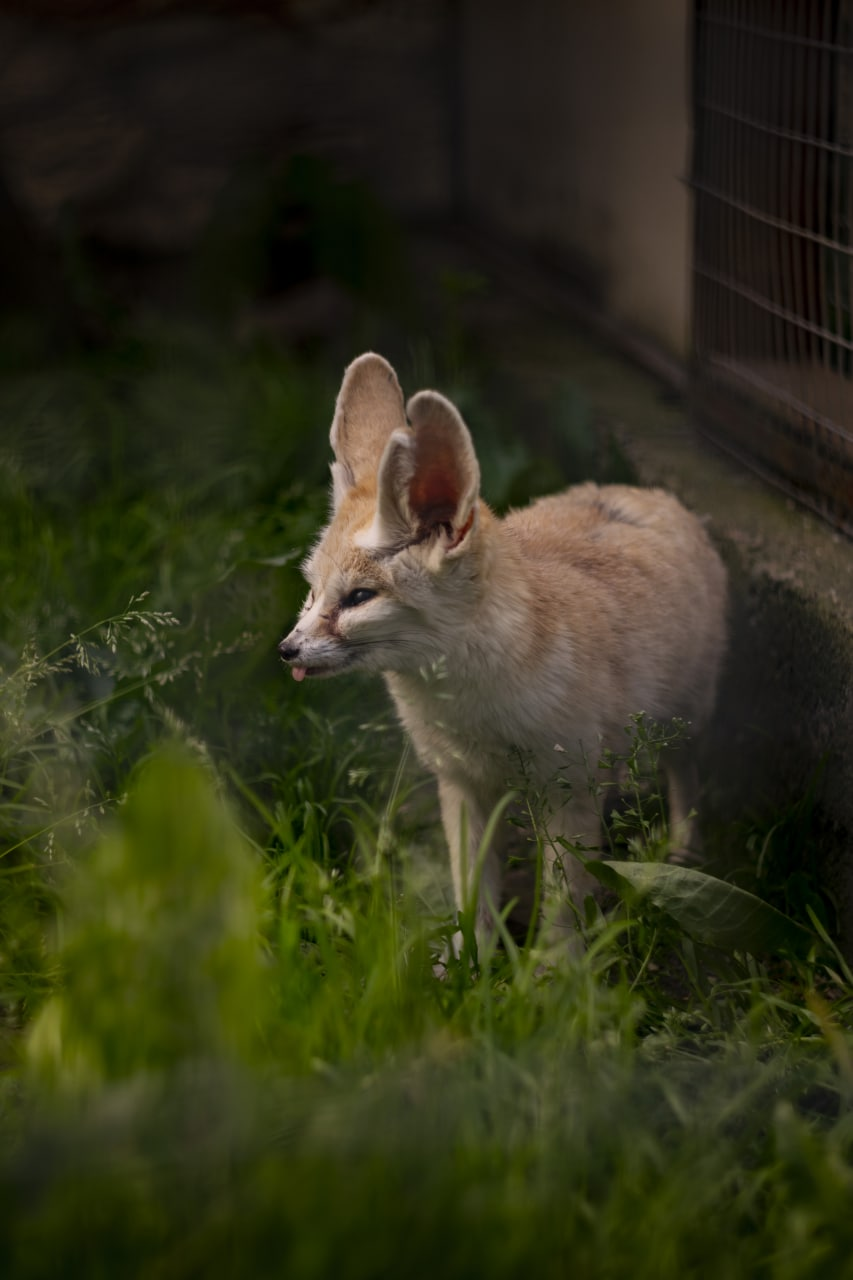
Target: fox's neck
{"points": [[483, 639]]}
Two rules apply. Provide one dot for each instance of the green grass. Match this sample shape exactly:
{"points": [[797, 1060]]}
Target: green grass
{"points": [[224, 1046]]}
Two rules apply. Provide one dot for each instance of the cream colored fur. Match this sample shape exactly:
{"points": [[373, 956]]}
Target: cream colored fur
{"points": [[534, 637]]}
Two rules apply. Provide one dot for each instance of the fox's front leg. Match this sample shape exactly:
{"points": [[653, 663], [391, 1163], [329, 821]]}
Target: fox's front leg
{"points": [[476, 872]]}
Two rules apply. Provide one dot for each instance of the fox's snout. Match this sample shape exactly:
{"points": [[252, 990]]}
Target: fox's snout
{"points": [[309, 654], [289, 648]]}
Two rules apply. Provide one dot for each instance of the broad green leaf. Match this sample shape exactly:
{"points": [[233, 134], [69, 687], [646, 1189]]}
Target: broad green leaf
{"points": [[710, 910]]}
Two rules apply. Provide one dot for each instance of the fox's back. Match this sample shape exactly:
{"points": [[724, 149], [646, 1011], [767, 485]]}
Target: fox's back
{"points": [[614, 538], [628, 578], [610, 517]]}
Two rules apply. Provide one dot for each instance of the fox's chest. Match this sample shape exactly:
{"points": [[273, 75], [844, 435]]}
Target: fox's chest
{"points": [[492, 735]]}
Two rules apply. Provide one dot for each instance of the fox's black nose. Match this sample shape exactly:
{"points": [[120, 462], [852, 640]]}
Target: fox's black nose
{"points": [[288, 650]]}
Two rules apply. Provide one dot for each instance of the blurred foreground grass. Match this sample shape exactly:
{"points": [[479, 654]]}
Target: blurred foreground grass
{"points": [[224, 1047]]}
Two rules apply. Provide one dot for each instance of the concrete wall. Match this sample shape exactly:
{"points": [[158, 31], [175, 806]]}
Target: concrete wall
{"points": [[574, 137]]}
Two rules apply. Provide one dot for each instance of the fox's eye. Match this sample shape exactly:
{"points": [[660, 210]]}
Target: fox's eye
{"points": [[359, 596]]}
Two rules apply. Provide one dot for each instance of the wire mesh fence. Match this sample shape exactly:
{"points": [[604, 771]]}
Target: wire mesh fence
{"points": [[772, 178]]}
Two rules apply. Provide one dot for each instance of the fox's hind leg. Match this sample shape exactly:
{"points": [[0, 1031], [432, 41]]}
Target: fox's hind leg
{"points": [[682, 790], [567, 882]]}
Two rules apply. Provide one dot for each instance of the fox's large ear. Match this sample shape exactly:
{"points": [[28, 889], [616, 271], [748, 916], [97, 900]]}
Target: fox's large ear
{"points": [[429, 479], [369, 408]]}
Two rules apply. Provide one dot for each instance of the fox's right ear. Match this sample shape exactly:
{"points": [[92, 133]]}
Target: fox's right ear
{"points": [[429, 480], [369, 408]]}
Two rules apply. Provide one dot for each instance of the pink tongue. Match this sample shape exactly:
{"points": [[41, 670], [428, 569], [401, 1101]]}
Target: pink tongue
{"points": [[299, 673]]}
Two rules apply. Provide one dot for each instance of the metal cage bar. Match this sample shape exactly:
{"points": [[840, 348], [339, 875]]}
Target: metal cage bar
{"points": [[772, 179]]}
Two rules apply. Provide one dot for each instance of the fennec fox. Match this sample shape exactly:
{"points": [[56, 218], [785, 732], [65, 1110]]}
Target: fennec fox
{"points": [[531, 637]]}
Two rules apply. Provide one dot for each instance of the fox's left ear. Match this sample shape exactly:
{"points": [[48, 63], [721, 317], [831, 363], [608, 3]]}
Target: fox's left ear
{"points": [[369, 407], [429, 479]]}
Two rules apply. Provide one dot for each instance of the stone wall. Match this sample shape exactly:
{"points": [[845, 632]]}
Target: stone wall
{"points": [[561, 125], [135, 126]]}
